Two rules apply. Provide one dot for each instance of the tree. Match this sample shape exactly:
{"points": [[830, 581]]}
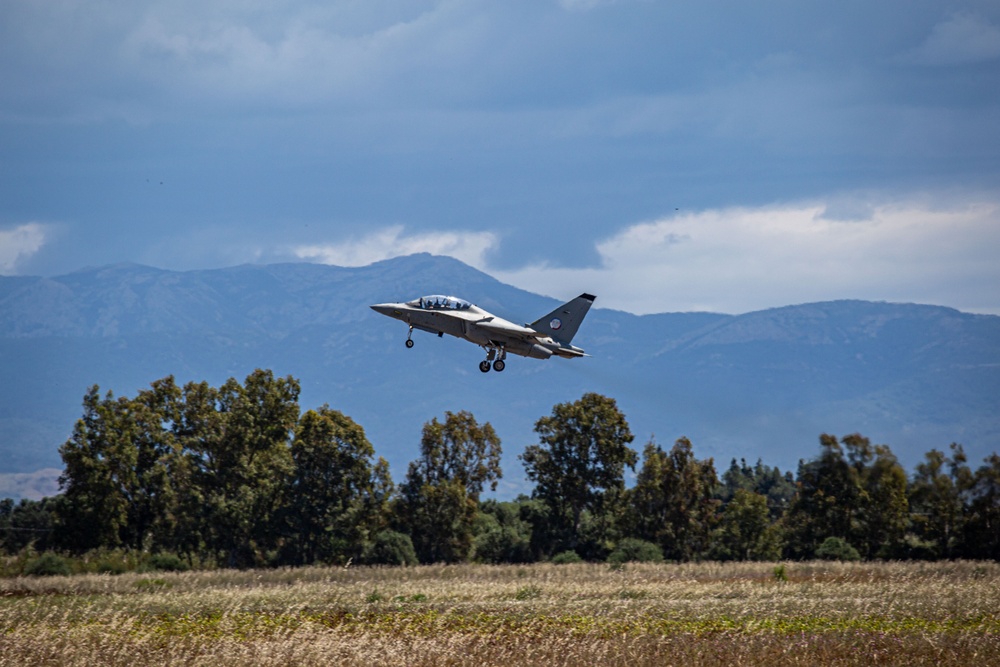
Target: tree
{"points": [[884, 513], [237, 438], [834, 548], [778, 488], [745, 530], [439, 499], [121, 470], [827, 499], [330, 499], [28, 522], [853, 491], [99, 475], [982, 528], [501, 535], [579, 463], [152, 502], [937, 494], [672, 502]]}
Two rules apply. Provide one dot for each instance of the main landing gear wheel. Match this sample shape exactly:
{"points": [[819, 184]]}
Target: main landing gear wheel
{"points": [[409, 342], [499, 365], [484, 366]]}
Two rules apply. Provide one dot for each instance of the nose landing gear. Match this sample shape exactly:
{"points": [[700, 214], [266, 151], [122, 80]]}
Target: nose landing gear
{"points": [[409, 338]]}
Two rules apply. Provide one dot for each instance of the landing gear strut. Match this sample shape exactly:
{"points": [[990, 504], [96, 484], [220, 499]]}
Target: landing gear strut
{"points": [[491, 354], [409, 338]]}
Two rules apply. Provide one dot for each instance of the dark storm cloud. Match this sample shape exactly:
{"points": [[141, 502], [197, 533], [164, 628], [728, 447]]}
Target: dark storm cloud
{"points": [[523, 134]]}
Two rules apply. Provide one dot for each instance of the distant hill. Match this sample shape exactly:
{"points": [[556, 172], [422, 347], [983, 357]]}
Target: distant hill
{"points": [[759, 385]]}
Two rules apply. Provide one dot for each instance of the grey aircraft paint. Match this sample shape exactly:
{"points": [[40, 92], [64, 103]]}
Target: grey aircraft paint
{"points": [[549, 335]]}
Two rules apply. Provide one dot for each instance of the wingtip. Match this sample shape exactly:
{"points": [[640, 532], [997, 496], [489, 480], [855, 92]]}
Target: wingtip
{"points": [[588, 297]]}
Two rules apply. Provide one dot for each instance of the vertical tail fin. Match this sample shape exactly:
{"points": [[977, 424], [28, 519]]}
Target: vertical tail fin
{"points": [[563, 322]]}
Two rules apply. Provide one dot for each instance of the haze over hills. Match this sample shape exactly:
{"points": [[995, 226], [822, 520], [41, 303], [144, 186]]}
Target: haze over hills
{"points": [[759, 385]]}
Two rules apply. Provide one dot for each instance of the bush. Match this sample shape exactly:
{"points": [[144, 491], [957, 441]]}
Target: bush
{"points": [[389, 547], [111, 565], [502, 545], [48, 565], [165, 562], [834, 548], [566, 558], [632, 550]]}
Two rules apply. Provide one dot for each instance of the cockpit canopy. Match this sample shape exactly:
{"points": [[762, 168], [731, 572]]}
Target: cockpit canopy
{"points": [[440, 302]]}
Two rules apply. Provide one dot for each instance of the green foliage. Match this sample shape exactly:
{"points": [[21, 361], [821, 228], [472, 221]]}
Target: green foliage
{"points": [[779, 573], [884, 512], [47, 565], [112, 565], [165, 562], [937, 497], [853, 491], [439, 499], [745, 531], [242, 462], [982, 526], [459, 450], [779, 489], [501, 536], [633, 550], [27, 523], [389, 547], [194, 470], [567, 557], [235, 476], [835, 548], [579, 464], [334, 500], [100, 460], [672, 503]]}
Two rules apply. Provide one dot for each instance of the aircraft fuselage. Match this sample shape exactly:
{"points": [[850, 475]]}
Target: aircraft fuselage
{"points": [[462, 319]]}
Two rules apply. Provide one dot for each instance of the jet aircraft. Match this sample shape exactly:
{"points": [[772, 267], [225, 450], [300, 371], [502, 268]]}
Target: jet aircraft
{"points": [[547, 336]]}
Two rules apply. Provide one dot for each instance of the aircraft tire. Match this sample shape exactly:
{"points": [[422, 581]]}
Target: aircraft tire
{"points": [[409, 342], [484, 366], [499, 365]]}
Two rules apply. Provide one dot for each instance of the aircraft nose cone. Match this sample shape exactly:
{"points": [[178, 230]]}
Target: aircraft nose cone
{"points": [[383, 308]]}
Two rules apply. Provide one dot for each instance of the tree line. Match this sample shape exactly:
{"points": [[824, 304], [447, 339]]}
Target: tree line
{"points": [[238, 476]]}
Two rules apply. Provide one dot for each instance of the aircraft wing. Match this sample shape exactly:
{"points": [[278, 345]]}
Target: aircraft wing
{"points": [[496, 325]]}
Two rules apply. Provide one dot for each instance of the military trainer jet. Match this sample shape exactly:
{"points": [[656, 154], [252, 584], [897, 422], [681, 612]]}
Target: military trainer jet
{"points": [[547, 336]]}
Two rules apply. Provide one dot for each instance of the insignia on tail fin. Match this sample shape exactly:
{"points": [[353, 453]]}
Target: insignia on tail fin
{"points": [[563, 322]]}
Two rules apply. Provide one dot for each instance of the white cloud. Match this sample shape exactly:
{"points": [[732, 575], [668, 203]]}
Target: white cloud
{"points": [[960, 39], [742, 259], [18, 244], [737, 260], [469, 247]]}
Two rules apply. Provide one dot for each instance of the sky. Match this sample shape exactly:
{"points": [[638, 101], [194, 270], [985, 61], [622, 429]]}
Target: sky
{"points": [[664, 155]]}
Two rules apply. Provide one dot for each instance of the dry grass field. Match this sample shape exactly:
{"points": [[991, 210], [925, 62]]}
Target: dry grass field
{"points": [[941, 614]]}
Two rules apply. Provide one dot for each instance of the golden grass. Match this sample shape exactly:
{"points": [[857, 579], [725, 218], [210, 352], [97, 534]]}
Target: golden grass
{"points": [[940, 614]]}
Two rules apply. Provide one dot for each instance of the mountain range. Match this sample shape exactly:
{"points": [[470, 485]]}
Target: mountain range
{"points": [[759, 385]]}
